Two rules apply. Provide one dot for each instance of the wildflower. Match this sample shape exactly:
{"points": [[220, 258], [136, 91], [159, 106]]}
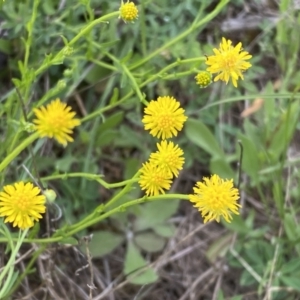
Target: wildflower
{"points": [[56, 120], [128, 11], [153, 180], [203, 79], [228, 61], [21, 204], [164, 117], [168, 157], [215, 197]]}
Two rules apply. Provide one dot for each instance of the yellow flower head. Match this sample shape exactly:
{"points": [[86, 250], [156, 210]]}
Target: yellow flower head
{"points": [[153, 180], [56, 120], [216, 197], [128, 11], [164, 117], [203, 79], [168, 158], [21, 204], [228, 61]]}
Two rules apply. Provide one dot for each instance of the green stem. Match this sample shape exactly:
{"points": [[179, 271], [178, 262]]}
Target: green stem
{"points": [[75, 228], [102, 207], [129, 75], [143, 29], [84, 31], [152, 78], [123, 207], [8, 159], [134, 83], [91, 177], [193, 27], [28, 267], [123, 191], [11, 261]]}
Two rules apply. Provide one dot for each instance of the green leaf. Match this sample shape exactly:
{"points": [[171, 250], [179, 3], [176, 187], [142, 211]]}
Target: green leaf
{"points": [[34, 231], [219, 248], [149, 241], [221, 167], [114, 97], [291, 267], [291, 281], [96, 74], [291, 230], [69, 241], [134, 267], [155, 213], [111, 122], [64, 164], [284, 131], [165, 230], [103, 242], [198, 133], [237, 224], [106, 138], [250, 163], [131, 165]]}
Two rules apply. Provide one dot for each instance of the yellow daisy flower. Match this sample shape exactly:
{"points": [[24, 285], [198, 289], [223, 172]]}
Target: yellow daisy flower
{"points": [[228, 61], [215, 197], [128, 11], [56, 120], [168, 157], [21, 204], [153, 180], [164, 117]]}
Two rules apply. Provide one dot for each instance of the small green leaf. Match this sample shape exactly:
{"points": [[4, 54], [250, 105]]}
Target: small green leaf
{"points": [[69, 241], [34, 231], [250, 164], [219, 248], [135, 267], [165, 230], [221, 167], [103, 242], [64, 40], [155, 213], [149, 241], [198, 133], [291, 281], [237, 224], [115, 96], [111, 122], [291, 267]]}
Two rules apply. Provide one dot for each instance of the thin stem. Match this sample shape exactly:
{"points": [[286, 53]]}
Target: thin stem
{"points": [[123, 207], [60, 235], [240, 164], [152, 78], [143, 29], [97, 177], [11, 260], [83, 31], [10, 157], [193, 27]]}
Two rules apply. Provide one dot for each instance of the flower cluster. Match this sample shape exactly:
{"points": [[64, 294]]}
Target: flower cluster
{"points": [[164, 118], [21, 204], [215, 197], [56, 120], [228, 61]]}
